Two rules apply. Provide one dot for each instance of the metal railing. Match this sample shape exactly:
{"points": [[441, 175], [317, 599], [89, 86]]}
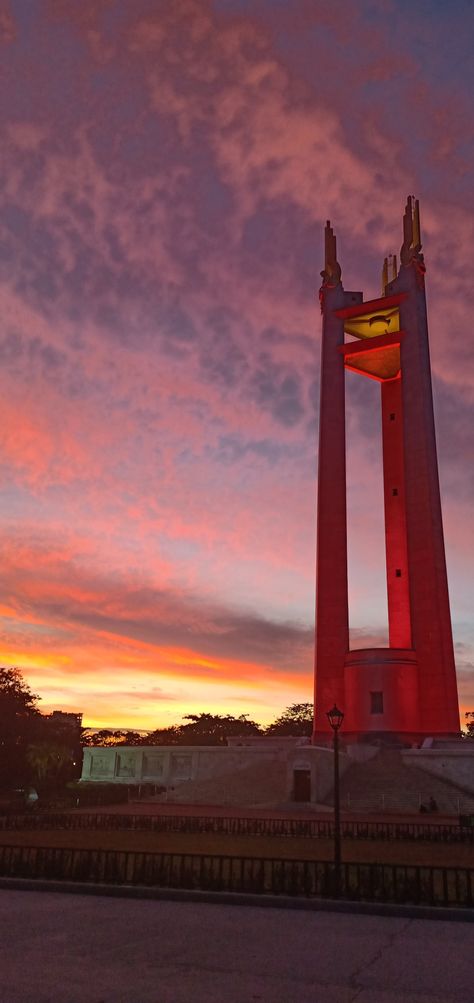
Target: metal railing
{"points": [[310, 828], [412, 801], [404, 884]]}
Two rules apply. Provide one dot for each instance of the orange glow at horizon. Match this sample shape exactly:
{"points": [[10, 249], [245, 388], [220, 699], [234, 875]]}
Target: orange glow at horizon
{"points": [[108, 696], [131, 690]]}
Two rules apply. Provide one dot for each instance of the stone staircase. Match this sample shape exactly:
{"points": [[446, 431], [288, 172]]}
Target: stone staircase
{"points": [[386, 784], [261, 784]]}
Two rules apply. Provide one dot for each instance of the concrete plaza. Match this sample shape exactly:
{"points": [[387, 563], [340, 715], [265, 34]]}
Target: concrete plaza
{"points": [[67, 948]]}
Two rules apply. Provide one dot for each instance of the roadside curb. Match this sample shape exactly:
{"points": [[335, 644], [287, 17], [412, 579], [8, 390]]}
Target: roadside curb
{"points": [[240, 899]]}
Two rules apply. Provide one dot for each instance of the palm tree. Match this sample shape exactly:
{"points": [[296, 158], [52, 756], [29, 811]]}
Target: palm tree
{"points": [[47, 759]]}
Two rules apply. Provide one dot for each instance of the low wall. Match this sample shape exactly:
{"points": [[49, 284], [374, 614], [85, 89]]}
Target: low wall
{"points": [[451, 764], [171, 765]]}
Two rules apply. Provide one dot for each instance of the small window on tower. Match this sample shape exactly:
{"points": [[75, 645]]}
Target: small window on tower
{"points": [[398, 573], [392, 416], [394, 492], [376, 703]]}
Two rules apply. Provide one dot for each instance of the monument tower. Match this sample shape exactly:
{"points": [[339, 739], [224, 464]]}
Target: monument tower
{"points": [[407, 689]]}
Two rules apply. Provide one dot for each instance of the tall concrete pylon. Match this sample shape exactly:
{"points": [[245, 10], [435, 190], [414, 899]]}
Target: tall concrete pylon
{"points": [[407, 689]]}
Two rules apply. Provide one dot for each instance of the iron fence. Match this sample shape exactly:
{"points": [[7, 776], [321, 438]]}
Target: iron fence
{"points": [[241, 826], [390, 801], [395, 883]]}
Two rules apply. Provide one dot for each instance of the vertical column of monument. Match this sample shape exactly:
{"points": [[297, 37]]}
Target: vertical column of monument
{"points": [[430, 614], [398, 589], [332, 617]]}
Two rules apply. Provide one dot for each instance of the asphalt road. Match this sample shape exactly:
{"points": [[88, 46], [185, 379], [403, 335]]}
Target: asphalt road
{"points": [[61, 948]]}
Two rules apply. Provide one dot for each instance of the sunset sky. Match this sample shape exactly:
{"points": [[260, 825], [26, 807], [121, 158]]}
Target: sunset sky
{"points": [[167, 167]]}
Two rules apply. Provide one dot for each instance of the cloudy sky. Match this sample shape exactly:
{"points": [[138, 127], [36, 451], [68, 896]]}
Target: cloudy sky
{"points": [[166, 170]]}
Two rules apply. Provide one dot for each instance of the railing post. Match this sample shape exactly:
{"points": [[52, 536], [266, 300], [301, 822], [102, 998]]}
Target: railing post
{"points": [[337, 816]]}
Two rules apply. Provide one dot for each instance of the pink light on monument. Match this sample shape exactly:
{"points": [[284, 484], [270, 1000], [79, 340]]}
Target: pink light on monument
{"points": [[408, 689]]}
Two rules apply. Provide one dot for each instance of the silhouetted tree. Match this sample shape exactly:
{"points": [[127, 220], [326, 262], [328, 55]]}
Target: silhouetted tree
{"points": [[20, 722], [295, 720], [163, 736], [201, 729], [48, 761], [469, 725], [107, 737], [63, 730], [213, 729]]}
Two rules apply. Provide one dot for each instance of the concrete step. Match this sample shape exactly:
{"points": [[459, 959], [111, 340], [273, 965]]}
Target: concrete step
{"points": [[386, 783], [262, 784]]}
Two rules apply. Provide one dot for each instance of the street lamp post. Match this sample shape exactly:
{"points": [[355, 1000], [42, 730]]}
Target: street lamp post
{"points": [[335, 718]]}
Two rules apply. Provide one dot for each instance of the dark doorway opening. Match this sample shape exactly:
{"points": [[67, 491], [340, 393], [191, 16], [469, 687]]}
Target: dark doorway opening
{"points": [[302, 785]]}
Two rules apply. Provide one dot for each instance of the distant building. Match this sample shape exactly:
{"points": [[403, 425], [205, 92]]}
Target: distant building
{"points": [[66, 719]]}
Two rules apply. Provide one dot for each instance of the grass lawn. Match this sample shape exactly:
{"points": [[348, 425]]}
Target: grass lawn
{"points": [[294, 847]]}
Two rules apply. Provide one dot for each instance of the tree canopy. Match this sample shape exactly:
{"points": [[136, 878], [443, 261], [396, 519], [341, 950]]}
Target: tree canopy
{"points": [[198, 729], [106, 737], [34, 748], [295, 720], [163, 736], [19, 725], [208, 729], [469, 725], [213, 729]]}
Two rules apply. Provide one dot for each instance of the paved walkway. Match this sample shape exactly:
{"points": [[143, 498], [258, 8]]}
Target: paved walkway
{"points": [[294, 811], [60, 948]]}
